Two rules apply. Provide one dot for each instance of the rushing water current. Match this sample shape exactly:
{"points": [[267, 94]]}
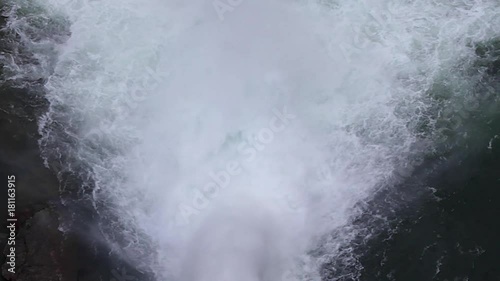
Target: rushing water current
{"points": [[246, 139]]}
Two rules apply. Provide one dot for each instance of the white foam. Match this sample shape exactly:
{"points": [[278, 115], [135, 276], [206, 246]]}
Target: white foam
{"points": [[165, 94]]}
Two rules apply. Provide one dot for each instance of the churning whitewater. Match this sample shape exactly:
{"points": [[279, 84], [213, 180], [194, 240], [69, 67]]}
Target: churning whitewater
{"points": [[228, 140]]}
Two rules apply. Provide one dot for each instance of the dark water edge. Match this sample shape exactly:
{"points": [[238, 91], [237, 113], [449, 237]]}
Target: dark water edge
{"points": [[44, 252], [443, 221], [453, 236], [454, 233]]}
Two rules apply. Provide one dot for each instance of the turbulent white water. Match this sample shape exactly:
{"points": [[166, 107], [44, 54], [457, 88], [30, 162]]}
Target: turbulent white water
{"points": [[229, 137]]}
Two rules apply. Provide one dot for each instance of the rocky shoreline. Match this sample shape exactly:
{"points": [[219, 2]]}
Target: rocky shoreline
{"points": [[54, 241], [43, 251]]}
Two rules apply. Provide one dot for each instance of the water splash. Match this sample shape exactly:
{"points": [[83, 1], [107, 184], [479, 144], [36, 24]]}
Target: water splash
{"points": [[165, 111]]}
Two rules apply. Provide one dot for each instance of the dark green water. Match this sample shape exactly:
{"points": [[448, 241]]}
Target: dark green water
{"points": [[451, 237], [453, 232], [442, 221]]}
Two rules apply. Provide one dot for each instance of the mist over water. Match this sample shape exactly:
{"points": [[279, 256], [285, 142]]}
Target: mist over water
{"points": [[229, 145]]}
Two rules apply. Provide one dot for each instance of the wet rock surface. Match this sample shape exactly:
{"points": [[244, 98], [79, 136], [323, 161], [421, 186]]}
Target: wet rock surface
{"points": [[56, 233], [36, 186], [19, 153], [43, 251]]}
